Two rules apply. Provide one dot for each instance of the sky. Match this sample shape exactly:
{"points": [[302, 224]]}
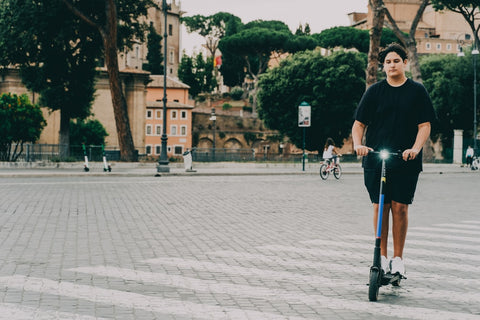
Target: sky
{"points": [[319, 14]]}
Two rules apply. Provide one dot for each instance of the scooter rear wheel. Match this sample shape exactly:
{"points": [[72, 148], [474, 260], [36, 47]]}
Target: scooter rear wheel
{"points": [[374, 284]]}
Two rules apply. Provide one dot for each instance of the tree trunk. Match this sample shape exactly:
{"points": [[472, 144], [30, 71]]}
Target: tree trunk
{"points": [[409, 41], [414, 63], [64, 135], [375, 36], [125, 140]]}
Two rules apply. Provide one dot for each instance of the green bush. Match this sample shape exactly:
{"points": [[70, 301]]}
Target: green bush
{"points": [[226, 106], [236, 93]]}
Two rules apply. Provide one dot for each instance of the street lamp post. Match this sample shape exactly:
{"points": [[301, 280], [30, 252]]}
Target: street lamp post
{"points": [[475, 54], [163, 161]]}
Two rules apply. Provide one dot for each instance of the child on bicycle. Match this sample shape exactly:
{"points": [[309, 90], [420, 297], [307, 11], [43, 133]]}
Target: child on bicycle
{"points": [[330, 151]]}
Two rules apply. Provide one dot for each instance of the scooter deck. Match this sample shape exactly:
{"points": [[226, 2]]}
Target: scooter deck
{"points": [[391, 278]]}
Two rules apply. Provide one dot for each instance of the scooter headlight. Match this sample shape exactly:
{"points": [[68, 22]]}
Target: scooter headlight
{"points": [[384, 154]]}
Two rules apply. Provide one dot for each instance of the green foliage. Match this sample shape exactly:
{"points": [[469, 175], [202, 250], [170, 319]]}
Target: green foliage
{"points": [[236, 93], [90, 132], [273, 25], [197, 73], [154, 54], [467, 8], [332, 85], [226, 106], [20, 122], [350, 37], [449, 81], [250, 137]]}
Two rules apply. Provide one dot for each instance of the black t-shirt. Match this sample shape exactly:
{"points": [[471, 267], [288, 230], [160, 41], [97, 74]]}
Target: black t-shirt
{"points": [[392, 116]]}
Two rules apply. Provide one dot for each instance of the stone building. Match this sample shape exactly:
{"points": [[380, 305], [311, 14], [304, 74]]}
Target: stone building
{"points": [[437, 32], [134, 82]]}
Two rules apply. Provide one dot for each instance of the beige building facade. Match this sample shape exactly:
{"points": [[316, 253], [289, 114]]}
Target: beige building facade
{"points": [[134, 82], [137, 56], [179, 117], [437, 32]]}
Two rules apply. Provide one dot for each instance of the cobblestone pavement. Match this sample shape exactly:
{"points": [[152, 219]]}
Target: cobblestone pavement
{"points": [[229, 247]]}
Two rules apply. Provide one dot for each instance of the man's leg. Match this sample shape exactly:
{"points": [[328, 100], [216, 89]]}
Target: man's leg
{"points": [[385, 223], [399, 227]]}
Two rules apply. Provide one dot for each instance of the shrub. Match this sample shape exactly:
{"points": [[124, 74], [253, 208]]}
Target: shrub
{"points": [[236, 93]]}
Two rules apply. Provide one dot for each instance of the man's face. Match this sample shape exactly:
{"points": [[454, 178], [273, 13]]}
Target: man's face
{"points": [[393, 65]]}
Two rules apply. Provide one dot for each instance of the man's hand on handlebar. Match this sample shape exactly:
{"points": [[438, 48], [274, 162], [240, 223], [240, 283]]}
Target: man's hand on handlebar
{"points": [[362, 150]]}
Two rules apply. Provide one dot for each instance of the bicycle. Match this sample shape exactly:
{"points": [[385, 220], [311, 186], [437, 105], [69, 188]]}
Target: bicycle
{"points": [[330, 165]]}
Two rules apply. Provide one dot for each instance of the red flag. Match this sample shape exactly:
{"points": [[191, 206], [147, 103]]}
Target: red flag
{"points": [[217, 62]]}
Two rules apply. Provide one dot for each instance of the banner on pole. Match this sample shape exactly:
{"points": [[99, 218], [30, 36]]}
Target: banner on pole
{"points": [[304, 115]]}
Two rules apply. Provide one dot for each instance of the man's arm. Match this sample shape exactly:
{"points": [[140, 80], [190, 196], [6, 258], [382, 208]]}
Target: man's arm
{"points": [[358, 130], [422, 136]]}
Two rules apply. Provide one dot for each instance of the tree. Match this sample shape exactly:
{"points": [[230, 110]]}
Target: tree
{"points": [[469, 9], [332, 85], [449, 80], [212, 28], [378, 9], [255, 46], [154, 54], [56, 58], [350, 37], [90, 132], [115, 20], [408, 41], [197, 73], [20, 122], [232, 68]]}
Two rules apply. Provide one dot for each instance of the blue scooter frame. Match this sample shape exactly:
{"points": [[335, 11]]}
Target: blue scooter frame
{"points": [[377, 276]]}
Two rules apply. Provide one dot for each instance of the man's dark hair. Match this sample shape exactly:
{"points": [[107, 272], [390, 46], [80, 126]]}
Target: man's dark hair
{"points": [[392, 47]]}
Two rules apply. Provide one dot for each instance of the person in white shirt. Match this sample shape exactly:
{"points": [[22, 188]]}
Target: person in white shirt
{"points": [[469, 156], [330, 151]]}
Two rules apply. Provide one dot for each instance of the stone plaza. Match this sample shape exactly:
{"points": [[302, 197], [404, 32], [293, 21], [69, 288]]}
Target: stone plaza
{"points": [[250, 246]]}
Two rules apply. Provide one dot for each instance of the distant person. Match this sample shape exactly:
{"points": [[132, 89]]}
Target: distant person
{"points": [[469, 156], [330, 151]]}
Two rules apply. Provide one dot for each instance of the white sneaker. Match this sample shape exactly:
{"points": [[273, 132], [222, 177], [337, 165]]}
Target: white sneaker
{"points": [[385, 264], [397, 265]]}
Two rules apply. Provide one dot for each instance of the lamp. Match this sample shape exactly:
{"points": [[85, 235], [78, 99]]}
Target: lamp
{"points": [[163, 161]]}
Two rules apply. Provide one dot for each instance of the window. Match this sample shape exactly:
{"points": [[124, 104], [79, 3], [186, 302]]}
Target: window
{"points": [[183, 130], [428, 45], [449, 46], [178, 150], [158, 149], [158, 129], [183, 115], [149, 114], [149, 129], [171, 58], [170, 30], [158, 114], [439, 46], [148, 149], [174, 114], [173, 130]]}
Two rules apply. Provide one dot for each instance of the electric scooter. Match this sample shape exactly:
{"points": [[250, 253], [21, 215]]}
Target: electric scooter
{"points": [[378, 277], [85, 166], [106, 166]]}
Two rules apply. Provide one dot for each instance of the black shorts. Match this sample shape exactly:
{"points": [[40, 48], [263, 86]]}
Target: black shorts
{"points": [[400, 186]]}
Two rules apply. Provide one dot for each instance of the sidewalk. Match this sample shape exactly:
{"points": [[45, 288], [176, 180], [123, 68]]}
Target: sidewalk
{"points": [[45, 169]]}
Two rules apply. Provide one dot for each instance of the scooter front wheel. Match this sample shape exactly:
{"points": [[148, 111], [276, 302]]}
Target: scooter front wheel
{"points": [[374, 284], [324, 172]]}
